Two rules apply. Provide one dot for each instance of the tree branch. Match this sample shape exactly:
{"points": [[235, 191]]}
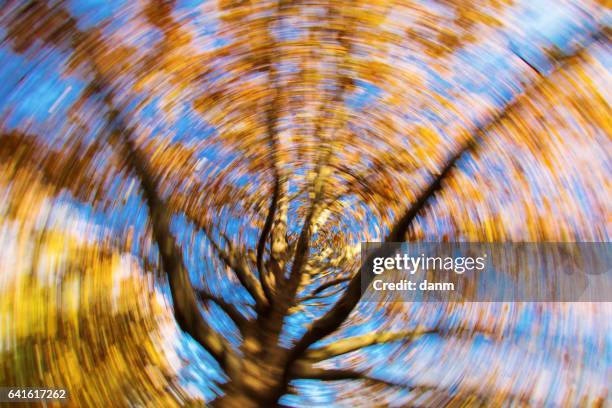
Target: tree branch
{"points": [[236, 263], [474, 139], [301, 250], [276, 220], [329, 374], [312, 297], [265, 232], [350, 344], [441, 395], [310, 372], [329, 284], [322, 169], [278, 201], [186, 308], [315, 294], [335, 316], [399, 229], [303, 245], [229, 309]]}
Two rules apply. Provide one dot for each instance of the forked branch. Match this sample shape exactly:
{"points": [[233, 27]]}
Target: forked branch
{"points": [[335, 316], [238, 265]]}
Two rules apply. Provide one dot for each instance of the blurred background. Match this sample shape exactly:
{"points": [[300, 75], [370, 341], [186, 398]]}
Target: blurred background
{"points": [[184, 187]]}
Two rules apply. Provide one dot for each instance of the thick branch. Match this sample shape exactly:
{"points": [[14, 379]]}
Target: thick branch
{"points": [[474, 139], [332, 320], [350, 344], [186, 308], [399, 229]]}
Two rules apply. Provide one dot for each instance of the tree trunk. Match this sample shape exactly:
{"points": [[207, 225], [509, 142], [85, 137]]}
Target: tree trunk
{"points": [[260, 384], [239, 398], [261, 379]]}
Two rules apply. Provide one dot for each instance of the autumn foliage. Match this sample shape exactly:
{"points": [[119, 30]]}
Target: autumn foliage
{"points": [[207, 172]]}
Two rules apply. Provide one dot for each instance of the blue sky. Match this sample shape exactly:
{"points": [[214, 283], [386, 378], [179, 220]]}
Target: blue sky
{"points": [[35, 91]]}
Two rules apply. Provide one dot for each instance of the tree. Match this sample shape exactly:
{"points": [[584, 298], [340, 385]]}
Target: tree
{"points": [[120, 353], [288, 167]]}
